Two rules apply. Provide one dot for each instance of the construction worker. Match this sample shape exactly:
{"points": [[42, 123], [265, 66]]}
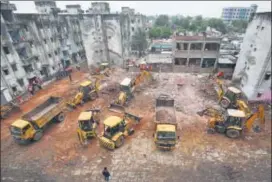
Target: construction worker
{"points": [[106, 174]]}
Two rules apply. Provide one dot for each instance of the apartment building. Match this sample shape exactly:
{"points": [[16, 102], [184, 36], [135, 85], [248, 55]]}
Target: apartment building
{"points": [[43, 43], [195, 53], [238, 13], [253, 68]]}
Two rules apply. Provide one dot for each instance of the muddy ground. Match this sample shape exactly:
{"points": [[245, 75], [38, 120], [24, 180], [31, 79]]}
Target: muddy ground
{"points": [[58, 156]]}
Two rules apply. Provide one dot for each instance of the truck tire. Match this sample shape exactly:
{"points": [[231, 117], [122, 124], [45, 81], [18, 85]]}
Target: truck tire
{"points": [[60, 117], [232, 133], [38, 135], [120, 141]]}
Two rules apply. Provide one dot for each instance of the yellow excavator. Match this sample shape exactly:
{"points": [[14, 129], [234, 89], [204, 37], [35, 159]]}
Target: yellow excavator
{"points": [[87, 91], [234, 121], [127, 87], [116, 129], [87, 124]]}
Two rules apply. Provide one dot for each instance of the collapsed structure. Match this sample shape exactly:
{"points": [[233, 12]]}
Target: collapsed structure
{"points": [[43, 43], [253, 68]]}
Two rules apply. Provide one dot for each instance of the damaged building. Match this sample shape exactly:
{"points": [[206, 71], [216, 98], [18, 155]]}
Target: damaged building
{"points": [[253, 68], [195, 53], [43, 43]]}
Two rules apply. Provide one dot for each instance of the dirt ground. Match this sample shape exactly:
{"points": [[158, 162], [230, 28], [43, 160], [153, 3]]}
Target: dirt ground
{"points": [[58, 156]]}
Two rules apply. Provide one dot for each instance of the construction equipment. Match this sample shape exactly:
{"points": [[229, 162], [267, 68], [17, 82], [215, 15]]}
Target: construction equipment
{"points": [[87, 91], [87, 124], [234, 121], [116, 129], [229, 98], [165, 136], [127, 87], [31, 125]]}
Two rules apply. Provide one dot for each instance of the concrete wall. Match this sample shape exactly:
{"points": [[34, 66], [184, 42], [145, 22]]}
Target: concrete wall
{"points": [[255, 56]]}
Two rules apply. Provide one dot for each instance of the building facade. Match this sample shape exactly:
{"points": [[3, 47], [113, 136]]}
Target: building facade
{"points": [[238, 13], [195, 53], [41, 44], [253, 68]]}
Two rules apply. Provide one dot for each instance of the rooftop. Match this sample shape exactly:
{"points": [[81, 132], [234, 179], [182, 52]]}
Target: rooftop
{"points": [[196, 38], [227, 59], [85, 116], [126, 82], [112, 121]]}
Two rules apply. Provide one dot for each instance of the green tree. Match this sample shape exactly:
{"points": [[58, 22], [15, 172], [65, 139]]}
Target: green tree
{"points": [[139, 41], [239, 25], [155, 32], [218, 24], [162, 20], [165, 32]]}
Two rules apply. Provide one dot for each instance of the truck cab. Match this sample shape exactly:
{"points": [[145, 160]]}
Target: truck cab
{"points": [[165, 136], [22, 131]]}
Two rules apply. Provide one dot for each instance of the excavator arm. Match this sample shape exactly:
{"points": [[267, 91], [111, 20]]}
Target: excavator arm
{"points": [[257, 115]]}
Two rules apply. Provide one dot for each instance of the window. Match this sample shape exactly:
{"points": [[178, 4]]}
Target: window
{"points": [[53, 67], [255, 49], [101, 51], [50, 55], [132, 21], [262, 28], [6, 71], [257, 27], [21, 82], [109, 37], [259, 94], [96, 51], [41, 72], [267, 76], [138, 21], [36, 58], [132, 29], [56, 52], [44, 41], [6, 50], [26, 28], [14, 67], [51, 39], [251, 45], [14, 88]]}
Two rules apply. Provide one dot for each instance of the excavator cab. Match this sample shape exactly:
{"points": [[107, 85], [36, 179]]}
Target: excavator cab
{"points": [[87, 124], [230, 97]]}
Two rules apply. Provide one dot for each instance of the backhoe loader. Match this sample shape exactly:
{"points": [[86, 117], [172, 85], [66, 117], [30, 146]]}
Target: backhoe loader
{"points": [[116, 129], [87, 91], [234, 121], [229, 98], [87, 124], [127, 87]]}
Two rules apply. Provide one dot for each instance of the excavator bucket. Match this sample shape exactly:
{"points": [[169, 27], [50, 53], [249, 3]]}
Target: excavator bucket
{"points": [[116, 108], [137, 119], [107, 143]]}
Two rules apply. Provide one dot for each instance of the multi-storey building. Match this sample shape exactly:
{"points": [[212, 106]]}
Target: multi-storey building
{"points": [[253, 68], [195, 53], [238, 13], [40, 44]]}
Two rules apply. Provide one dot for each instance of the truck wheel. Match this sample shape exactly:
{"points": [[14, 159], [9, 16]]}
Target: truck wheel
{"points": [[38, 135], [232, 133], [60, 117], [119, 142]]}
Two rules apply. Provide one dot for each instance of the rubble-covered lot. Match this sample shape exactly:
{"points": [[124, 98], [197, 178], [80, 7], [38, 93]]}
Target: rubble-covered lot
{"points": [[58, 156]]}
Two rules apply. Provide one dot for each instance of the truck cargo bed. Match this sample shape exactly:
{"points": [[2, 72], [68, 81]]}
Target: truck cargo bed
{"points": [[165, 115], [42, 109]]}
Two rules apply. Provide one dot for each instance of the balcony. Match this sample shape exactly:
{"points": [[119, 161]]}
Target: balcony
{"points": [[210, 54], [195, 53], [181, 53]]}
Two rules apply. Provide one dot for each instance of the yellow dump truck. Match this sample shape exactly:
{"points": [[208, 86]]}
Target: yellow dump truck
{"points": [[165, 136], [30, 126]]}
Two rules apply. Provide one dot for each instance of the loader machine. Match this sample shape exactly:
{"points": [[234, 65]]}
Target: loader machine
{"points": [[87, 124], [233, 122], [127, 87], [87, 91], [116, 129]]}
